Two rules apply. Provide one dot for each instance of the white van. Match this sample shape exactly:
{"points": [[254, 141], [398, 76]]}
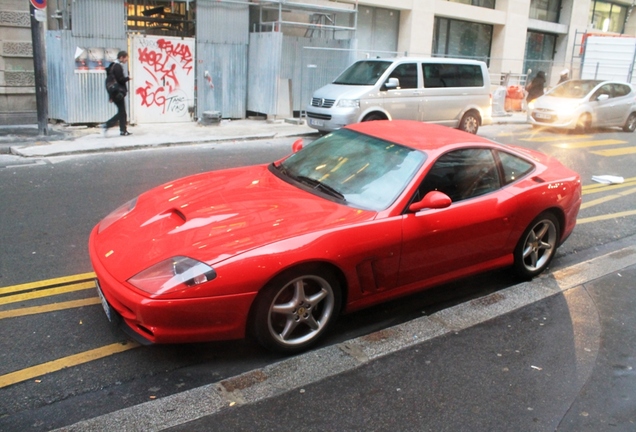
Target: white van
{"points": [[452, 92]]}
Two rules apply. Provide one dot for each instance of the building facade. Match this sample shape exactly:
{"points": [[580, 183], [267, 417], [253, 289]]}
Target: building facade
{"points": [[515, 37], [17, 82]]}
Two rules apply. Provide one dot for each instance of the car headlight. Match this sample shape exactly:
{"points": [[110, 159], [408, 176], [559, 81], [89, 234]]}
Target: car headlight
{"points": [[117, 214], [349, 103], [175, 273]]}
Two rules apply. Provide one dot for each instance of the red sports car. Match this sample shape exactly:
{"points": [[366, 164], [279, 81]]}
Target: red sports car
{"points": [[365, 214]]}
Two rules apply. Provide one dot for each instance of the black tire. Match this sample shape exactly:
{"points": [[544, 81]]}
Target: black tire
{"points": [[537, 246], [296, 309], [630, 124], [373, 117], [583, 124], [469, 122]]}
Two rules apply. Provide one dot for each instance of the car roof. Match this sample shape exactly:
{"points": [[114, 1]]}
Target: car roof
{"points": [[418, 135], [425, 60]]}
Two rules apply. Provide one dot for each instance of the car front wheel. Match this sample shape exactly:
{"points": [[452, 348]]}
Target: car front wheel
{"points": [[295, 309], [469, 123], [630, 124], [583, 124], [374, 117], [537, 246]]}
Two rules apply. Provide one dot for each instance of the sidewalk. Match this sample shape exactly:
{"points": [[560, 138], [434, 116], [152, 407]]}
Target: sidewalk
{"points": [[557, 353], [65, 140]]}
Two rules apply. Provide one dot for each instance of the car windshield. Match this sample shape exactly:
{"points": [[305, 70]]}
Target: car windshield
{"points": [[363, 73], [360, 170], [574, 89]]}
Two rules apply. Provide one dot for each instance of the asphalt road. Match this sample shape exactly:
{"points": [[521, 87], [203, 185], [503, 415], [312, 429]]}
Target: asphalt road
{"points": [[49, 206]]}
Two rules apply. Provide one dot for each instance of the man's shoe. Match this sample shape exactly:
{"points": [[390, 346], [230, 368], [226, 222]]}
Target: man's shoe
{"points": [[125, 133]]}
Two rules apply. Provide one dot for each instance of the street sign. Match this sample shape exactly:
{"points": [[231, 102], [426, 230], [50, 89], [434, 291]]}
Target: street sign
{"points": [[39, 4]]}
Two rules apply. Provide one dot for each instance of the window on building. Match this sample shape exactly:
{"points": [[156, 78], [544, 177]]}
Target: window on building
{"points": [[481, 3], [607, 16], [539, 52], [454, 38], [545, 10]]}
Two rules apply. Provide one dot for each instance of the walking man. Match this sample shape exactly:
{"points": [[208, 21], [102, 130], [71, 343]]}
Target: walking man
{"points": [[117, 90]]}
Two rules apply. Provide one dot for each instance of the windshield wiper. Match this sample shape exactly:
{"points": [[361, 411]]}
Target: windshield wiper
{"points": [[317, 184]]}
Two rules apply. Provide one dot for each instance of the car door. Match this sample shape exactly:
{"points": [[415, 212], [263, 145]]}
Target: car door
{"points": [[602, 108], [403, 102], [468, 233], [620, 104]]}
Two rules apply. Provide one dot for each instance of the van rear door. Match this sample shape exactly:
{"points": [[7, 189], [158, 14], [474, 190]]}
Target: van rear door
{"points": [[451, 88]]}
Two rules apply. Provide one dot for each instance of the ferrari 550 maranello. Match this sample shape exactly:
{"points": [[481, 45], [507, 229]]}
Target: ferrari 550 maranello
{"points": [[365, 214]]}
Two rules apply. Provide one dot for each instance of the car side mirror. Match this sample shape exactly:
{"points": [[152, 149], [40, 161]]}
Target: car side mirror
{"points": [[602, 97], [432, 200], [297, 145], [392, 83]]}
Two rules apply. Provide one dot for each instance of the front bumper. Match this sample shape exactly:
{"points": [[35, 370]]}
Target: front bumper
{"points": [[330, 119], [552, 119], [152, 321]]}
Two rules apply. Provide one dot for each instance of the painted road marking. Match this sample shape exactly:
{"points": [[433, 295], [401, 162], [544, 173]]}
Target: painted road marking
{"points": [[606, 217], [45, 292], [56, 365], [551, 138], [601, 187], [616, 152], [607, 198], [586, 144], [13, 313], [47, 283]]}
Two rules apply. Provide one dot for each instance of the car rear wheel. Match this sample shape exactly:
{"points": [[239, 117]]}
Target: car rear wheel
{"points": [[537, 246], [469, 122], [630, 124], [296, 308], [583, 124]]}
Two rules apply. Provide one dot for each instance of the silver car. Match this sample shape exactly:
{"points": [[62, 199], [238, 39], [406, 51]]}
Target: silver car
{"points": [[583, 104]]}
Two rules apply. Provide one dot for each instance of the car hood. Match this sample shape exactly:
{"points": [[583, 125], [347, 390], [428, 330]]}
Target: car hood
{"points": [[557, 103], [342, 91], [214, 216]]}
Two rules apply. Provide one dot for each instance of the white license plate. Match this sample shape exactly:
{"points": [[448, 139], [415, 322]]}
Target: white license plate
{"points": [[105, 304], [316, 122], [541, 115]]}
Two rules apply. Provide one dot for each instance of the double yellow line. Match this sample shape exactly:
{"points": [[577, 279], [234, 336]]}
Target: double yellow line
{"points": [[47, 288], [596, 188]]}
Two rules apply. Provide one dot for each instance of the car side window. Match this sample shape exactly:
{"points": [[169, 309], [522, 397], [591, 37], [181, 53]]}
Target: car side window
{"points": [[603, 90], [513, 167], [462, 174], [407, 75], [621, 90]]}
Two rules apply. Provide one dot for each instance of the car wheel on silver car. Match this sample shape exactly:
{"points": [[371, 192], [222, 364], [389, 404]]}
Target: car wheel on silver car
{"points": [[537, 246], [630, 124], [469, 122], [295, 309]]}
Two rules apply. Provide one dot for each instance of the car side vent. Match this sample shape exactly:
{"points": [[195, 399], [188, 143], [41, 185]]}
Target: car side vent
{"points": [[179, 213], [538, 179]]}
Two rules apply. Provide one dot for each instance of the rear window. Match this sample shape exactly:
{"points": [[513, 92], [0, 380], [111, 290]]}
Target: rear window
{"points": [[438, 75], [514, 167]]}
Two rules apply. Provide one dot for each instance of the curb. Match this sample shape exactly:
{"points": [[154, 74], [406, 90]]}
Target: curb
{"points": [[294, 373], [29, 151]]}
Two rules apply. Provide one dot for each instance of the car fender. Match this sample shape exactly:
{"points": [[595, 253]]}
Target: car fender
{"points": [[373, 109], [471, 108], [366, 255]]}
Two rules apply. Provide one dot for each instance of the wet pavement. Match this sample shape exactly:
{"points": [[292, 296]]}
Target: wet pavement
{"points": [[556, 353]]}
